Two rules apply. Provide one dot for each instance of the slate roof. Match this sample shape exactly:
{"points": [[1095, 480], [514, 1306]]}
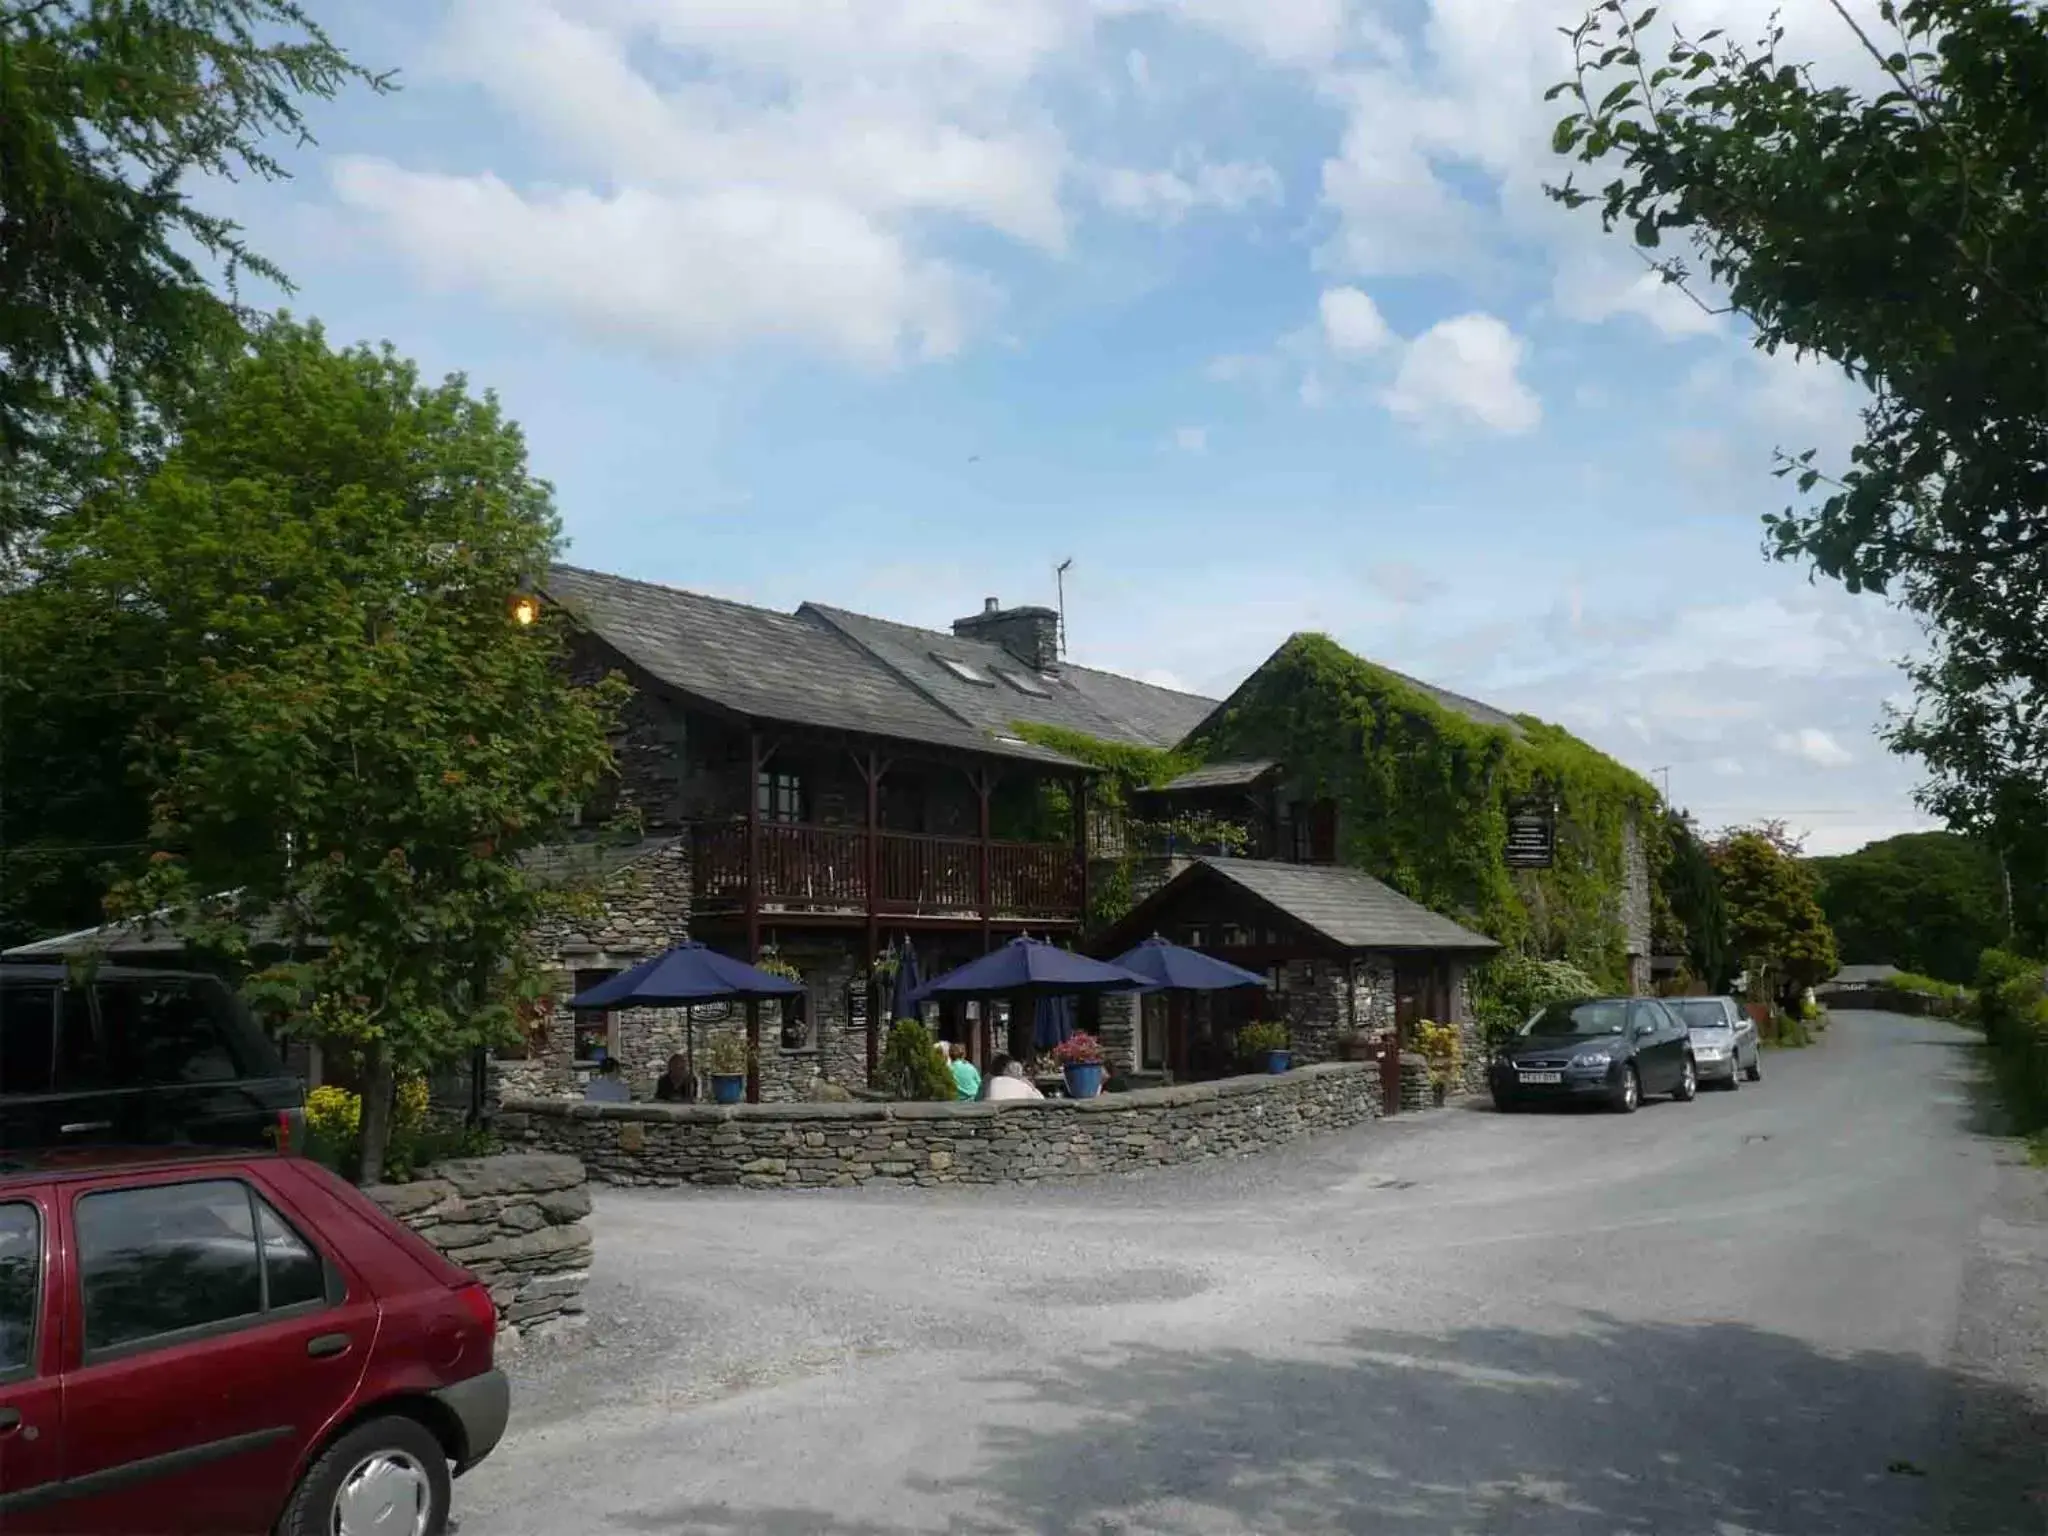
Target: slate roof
{"points": [[1345, 907], [762, 664], [1234, 775], [1099, 704]]}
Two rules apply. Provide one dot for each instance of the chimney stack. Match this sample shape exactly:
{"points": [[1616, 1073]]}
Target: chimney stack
{"points": [[1031, 634]]}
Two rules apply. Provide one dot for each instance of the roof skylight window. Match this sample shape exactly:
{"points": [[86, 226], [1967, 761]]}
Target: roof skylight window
{"points": [[1024, 683], [966, 672]]}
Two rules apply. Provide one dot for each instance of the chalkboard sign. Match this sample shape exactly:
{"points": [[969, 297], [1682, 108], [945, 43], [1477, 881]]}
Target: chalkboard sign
{"points": [[1532, 837], [857, 1008]]}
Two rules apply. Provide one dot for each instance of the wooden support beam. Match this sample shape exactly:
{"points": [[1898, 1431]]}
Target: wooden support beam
{"points": [[984, 785], [754, 765], [753, 1051]]}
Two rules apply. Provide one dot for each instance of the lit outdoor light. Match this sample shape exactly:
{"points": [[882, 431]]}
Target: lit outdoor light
{"points": [[525, 609]]}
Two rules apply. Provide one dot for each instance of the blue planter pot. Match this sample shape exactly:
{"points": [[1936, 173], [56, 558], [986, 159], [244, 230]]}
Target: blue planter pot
{"points": [[1084, 1081], [728, 1087], [1279, 1061]]}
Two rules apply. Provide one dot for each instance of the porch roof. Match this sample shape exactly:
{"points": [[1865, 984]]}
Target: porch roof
{"points": [[1237, 775], [1345, 908]]}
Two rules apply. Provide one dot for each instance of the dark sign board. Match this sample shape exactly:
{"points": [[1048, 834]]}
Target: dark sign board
{"points": [[857, 1007], [1532, 837]]}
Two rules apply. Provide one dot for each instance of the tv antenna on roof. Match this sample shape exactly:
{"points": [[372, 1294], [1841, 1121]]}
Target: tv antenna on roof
{"points": [[1059, 576]]}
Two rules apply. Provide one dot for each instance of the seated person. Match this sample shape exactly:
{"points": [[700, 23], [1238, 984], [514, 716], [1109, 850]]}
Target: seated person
{"points": [[966, 1075], [678, 1085], [606, 1086], [1006, 1080]]}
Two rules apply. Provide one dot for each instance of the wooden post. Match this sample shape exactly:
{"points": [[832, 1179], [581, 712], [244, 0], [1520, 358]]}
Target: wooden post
{"points": [[983, 786], [872, 770], [753, 1051], [753, 846], [1081, 841]]}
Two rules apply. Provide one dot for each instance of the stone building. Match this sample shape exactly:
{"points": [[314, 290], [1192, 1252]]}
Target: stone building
{"points": [[823, 786]]}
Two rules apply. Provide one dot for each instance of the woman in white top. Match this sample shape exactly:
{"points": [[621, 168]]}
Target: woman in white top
{"points": [[1006, 1080]]}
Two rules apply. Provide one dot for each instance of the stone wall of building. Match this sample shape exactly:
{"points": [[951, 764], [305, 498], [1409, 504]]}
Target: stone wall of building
{"points": [[516, 1222], [1636, 907], [798, 1145], [642, 909]]}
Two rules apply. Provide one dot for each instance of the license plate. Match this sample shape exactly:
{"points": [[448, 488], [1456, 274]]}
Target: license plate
{"points": [[1542, 1077]]}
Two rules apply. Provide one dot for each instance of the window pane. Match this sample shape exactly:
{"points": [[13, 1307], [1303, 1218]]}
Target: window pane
{"points": [[162, 1032], [159, 1259], [294, 1268], [26, 1015], [21, 1255]]}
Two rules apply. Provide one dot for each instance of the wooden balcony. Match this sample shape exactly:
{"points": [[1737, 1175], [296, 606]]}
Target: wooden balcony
{"points": [[824, 871]]}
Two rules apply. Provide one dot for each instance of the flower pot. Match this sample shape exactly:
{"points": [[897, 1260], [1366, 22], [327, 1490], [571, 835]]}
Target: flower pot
{"points": [[728, 1087], [1084, 1079], [1279, 1061]]}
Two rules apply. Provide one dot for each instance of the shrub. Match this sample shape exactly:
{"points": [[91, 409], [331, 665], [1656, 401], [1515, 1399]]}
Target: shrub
{"points": [[1080, 1049], [1255, 1040], [334, 1123], [1508, 990], [910, 1067], [1442, 1047]]}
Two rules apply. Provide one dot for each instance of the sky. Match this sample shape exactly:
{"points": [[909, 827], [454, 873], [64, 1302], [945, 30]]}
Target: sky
{"points": [[1255, 310]]}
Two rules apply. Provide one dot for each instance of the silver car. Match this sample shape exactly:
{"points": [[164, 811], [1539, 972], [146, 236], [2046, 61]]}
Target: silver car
{"points": [[1724, 1041]]}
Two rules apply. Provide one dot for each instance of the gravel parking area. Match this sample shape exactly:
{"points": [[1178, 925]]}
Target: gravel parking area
{"points": [[1804, 1307]]}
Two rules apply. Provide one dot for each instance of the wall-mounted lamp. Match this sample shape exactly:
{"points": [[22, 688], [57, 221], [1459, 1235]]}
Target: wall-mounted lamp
{"points": [[525, 610]]}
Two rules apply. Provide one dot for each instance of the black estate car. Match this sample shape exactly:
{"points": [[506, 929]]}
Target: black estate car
{"points": [[137, 1057], [1606, 1050]]}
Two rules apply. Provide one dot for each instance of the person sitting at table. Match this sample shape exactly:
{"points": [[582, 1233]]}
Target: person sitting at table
{"points": [[1006, 1080], [966, 1075], [678, 1085]]}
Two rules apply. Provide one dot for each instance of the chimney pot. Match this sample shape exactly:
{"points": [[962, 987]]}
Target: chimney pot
{"points": [[990, 605]]}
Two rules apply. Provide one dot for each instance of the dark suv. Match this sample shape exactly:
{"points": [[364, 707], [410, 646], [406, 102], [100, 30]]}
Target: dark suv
{"points": [[137, 1057]]}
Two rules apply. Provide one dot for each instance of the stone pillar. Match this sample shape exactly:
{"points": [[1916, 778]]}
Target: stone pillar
{"points": [[1119, 1036]]}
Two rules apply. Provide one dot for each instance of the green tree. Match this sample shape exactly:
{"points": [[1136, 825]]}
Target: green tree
{"points": [[1689, 889], [307, 614], [110, 112], [1928, 902], [1776, 928], [1901, 233]]}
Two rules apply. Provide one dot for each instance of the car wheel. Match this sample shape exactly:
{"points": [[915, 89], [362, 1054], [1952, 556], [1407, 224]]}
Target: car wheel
{"points": [[1734, 1083], [1631, 1091], [1756, 1067], [387, 1476], [1688, 1087], [1502, 1104]]}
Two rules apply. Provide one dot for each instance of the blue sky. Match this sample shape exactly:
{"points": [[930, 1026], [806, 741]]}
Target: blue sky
{"points": [[1252, 308]]}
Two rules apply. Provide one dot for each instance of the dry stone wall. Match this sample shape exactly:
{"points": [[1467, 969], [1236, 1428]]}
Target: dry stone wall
{"points": [[798, 1145], [517, 1222]]}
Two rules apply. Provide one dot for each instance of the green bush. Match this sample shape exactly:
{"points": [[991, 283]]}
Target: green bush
{"points": [[1928, 986], [1254, 1040], [2012, 1007], [910, 1067], [1508, 990]]}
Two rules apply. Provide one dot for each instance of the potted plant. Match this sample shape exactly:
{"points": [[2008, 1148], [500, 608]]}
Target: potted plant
{"points": [[1080, 1059], [1266, 1043], [1442, 1047], [725, 1055]]}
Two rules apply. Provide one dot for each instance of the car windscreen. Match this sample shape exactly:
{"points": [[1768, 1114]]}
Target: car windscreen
{"points": [[1607, 1016], [149, 1032], [1700, 1012]]}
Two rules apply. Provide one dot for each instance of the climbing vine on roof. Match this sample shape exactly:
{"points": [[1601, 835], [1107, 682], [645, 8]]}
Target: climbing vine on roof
{"points": [[1423, 796]]}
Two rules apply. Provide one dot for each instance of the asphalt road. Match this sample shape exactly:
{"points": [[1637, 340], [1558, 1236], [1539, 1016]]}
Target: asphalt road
{"points": [[1809, 1307]]}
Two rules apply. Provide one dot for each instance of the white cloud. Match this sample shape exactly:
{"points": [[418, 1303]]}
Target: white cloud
{"points": [[1352, 322], [1191, 439], [1139, 68], [1168, 196], [1306, 33], [693, 272], [1816, 746], [1465, 370]]}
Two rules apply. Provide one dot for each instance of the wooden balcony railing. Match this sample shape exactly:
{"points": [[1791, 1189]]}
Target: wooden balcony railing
{"points": [[825, 869]]}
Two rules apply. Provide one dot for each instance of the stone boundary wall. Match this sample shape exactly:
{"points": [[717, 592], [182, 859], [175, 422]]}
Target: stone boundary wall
{"points": [[517, 1221], [764, 1146]]}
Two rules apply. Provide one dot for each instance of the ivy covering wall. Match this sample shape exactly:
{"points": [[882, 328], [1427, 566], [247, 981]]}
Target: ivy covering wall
{"points": [[1423, 796]]}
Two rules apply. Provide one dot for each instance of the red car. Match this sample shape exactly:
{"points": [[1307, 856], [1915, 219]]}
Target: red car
{"points": [[229, 1343]]}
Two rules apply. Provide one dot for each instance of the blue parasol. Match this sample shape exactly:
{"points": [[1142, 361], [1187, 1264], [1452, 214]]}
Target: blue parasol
{"points": [[903, 1005], [1053, 1023], [1030, 968], [689, 973], [1175, 968]]}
